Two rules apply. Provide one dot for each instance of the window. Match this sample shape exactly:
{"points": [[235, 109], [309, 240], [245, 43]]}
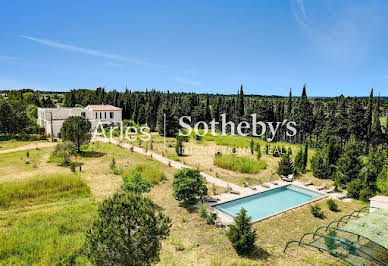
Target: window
{"points": [[100, 115], [96, 115], [105, 115], [83, 114], [111, 115]]}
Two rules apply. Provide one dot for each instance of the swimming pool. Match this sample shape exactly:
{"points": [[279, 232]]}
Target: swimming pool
{"points": [[268, 203]]}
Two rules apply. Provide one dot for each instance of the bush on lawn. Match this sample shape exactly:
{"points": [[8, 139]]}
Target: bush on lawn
{"points": [[128, 231], [188, 184], [241, 234], [332, 205], [317, 211], [135, 182]]}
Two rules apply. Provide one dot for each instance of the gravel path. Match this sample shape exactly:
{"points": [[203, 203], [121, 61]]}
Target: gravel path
{"points": [[30, 147]]}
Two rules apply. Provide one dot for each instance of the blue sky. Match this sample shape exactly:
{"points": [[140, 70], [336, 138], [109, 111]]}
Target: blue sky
{"points": [[335, 47]]}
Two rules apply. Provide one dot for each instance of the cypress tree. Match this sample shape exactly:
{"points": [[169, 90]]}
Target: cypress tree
{"points": [[285, 167], [305, 155], [289, 106], [299, 162], [252, 146], [241, 102], [349, 165], [368, 118]]}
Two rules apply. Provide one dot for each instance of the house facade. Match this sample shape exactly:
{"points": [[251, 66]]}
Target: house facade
{"points": [[51, 119]]}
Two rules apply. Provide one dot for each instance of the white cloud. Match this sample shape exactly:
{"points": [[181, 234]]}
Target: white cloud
{"points": [[92, 52]]}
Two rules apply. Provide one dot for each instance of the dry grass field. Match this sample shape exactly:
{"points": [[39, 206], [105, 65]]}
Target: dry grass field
{"points": [[59, 225]]}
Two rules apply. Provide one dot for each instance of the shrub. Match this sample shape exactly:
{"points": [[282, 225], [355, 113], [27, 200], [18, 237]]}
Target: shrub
{"points": [[135, 183], [188, 184], [285, 167], [366, 193], [203, 210], [209, 219], [179, 147], [64, 151], [241, 234], [354, 187], [198, 138], [112, 165], [382, 181], [332, 205], [299, 162], [127, 232], [205, 215], [44, 187], [316, 211], [320, 165], [239, 164]]}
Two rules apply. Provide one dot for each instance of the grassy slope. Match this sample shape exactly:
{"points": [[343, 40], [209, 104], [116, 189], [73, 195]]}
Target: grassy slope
{"points": [[49, 233]]}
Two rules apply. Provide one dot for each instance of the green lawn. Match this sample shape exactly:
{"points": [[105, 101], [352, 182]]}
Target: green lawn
{"points": [[10, 144]]}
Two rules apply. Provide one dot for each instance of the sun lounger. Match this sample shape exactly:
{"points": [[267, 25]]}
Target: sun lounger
{"points": [[229, 189], [210, 199], [250, 185], [343, 195], [308, 183], [288, 178], [330, 190], [234, 192], [263, 185], [322, 186], [273, 182]]}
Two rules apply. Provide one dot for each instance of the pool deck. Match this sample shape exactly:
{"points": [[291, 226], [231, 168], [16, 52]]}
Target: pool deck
{"points": [[225, 219], [222, 218]]}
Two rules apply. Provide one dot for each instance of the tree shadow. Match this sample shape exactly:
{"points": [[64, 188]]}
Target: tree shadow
{"points": [[92, 154], [191, 207], [258, 254]]}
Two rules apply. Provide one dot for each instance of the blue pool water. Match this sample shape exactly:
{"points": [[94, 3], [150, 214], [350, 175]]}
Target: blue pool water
{"points": [[269, 202]]}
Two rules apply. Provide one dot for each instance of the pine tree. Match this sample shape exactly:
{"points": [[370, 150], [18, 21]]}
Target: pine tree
{"points": [[299, 162], [285, 167], [377, 136], [349, 165], [242, 234]]}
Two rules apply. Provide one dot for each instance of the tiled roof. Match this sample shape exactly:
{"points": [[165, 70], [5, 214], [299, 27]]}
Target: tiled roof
{"points": [[103, 108]]}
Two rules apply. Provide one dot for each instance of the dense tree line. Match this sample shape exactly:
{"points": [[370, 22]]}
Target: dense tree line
{"points": [[18, 112], [317, 119]]}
